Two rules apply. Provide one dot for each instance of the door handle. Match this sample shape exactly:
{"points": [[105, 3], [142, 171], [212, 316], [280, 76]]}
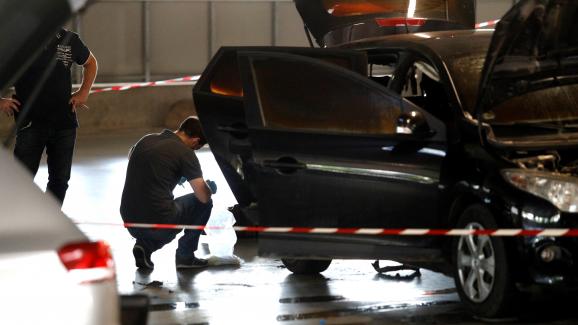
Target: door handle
{"points": [[237, 130], [231, 129]]}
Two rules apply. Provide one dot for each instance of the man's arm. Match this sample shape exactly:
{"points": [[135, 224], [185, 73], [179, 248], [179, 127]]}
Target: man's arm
{"points": [[89, 70], [8, 106], [201, 189]]}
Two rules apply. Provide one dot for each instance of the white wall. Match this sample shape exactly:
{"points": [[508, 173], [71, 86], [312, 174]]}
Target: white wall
{"points": [[185, 33], [491, 9], [113, 32], [179, 37]]}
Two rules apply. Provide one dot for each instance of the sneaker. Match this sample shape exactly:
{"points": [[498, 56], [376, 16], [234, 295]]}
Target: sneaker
{"points": [[142, 258], [190, 262]]}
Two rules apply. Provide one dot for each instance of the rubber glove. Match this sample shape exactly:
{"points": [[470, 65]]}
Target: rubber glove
{"points": [[212, 185]]}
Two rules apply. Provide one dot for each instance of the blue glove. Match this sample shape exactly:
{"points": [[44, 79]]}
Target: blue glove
{"points": [[212, 185]]}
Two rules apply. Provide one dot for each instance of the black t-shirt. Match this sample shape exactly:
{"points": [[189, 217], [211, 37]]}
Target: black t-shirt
{"points": [[156, 164], [52, 107]]}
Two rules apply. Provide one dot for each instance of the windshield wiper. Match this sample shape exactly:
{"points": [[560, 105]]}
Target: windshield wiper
{"points": [[546, 125]]}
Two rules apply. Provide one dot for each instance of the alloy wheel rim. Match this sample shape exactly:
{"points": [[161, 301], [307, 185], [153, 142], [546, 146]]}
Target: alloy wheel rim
{"points": [[476, 264]]}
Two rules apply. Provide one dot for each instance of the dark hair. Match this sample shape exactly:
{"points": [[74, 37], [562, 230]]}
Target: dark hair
{"points": [[192, 128]]}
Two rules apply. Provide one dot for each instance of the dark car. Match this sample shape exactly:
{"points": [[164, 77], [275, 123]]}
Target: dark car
{"points": [[463, 128]]}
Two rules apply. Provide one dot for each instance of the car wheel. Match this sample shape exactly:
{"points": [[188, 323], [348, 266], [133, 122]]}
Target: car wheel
{"points": [[306, 266], [481, 270]]}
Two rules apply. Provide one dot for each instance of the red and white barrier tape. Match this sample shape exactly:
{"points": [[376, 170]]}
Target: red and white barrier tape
{"points": [[554, 232], [487, 23], [145, 84]]}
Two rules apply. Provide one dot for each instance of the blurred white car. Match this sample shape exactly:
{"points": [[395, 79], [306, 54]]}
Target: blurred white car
{"points": [[50, 272]]}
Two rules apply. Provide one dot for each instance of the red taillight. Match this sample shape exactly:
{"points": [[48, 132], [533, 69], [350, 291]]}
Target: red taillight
{"points": [[89, 262], [356, 9], [393, 22]]}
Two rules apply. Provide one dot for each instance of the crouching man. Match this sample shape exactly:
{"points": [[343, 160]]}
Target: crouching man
{"points": [[157, 162]]}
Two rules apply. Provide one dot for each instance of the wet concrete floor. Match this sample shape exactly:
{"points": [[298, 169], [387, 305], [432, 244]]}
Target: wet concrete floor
{"points": [[259, 290]]}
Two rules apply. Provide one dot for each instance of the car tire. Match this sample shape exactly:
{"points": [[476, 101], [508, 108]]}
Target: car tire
{"points": [[483, 279], [306, 266]]}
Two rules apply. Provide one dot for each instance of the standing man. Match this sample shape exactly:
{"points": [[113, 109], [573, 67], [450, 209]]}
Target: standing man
{"points": [[51, 120], [157, 163]]}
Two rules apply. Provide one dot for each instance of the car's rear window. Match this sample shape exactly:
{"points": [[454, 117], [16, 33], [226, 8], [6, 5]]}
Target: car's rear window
{"points": [[405, 8]]}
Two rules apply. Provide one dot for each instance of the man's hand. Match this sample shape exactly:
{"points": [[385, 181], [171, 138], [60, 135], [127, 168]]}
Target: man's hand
{"points": [[9, 106], [212, 186], [78, 100], [80, 97]]}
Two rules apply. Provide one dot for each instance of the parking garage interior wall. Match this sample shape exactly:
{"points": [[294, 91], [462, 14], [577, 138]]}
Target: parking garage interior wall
{"points": [[142, 40], [139, 108], [492, 9], [171, 38]]}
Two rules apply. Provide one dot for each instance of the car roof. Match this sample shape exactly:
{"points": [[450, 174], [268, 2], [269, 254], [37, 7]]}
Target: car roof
{"points": [[446, 44]]}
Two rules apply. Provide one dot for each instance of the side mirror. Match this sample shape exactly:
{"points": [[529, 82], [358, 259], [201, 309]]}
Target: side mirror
{"points": [[413, 123]]}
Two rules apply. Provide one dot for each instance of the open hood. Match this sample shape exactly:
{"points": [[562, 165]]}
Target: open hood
{"points": [[534, 47], [335, 22], [25, 26]]}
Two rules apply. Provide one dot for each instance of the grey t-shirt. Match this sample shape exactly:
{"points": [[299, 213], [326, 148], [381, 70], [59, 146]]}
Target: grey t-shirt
{"points": [[156, 164]]}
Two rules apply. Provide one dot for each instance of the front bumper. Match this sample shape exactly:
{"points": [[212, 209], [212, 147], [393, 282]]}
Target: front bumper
{"points": [[552, 260], [549, 261]]}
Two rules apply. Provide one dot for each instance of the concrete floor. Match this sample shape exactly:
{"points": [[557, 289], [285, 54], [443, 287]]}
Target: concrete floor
{"points": [[259, 291]]}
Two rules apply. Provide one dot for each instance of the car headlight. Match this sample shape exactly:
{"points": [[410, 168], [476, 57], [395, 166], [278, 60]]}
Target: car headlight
{"points": [[560, 190]]}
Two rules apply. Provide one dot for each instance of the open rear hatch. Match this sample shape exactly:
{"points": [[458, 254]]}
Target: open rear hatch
{"points": [[335, 22], [219, 102]]}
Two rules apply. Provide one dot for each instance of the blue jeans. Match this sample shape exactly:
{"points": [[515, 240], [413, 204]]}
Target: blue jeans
{"points": [[190, 211], [59, 144]]}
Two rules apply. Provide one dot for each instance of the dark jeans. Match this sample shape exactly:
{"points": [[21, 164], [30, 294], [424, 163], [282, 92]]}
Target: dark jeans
{"points": [[59, 144], [190, 211]]}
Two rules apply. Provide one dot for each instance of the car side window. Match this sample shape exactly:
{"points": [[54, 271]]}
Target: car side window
{"points": [[423, 88], [382, 66], [305, 94]]}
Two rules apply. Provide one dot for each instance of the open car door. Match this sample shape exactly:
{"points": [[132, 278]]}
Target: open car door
{"points": [[335, 22], [327, 152], [219, 101]]}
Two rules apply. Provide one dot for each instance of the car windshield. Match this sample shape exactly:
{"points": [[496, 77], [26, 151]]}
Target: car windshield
{"points": [[466, 70], [546, 111], [554, 108]]}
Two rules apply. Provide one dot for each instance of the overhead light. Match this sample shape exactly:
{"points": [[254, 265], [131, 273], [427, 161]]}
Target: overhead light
{"points": [[411, 8]]}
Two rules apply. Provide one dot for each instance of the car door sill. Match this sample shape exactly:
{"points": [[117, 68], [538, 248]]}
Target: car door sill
{"points": [[345, 247]]}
